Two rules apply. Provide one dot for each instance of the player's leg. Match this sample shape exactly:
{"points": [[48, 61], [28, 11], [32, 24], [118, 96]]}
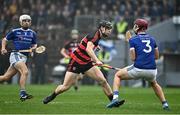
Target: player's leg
{"points": [[76, 84], [23, 70], [160, 94], [69, 80], [122, 74], [9, 74], [97, 75], [150, 75]]}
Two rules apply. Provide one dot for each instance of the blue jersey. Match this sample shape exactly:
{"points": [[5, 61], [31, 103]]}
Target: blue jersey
{"points": [[22, 39], [144, 46]]}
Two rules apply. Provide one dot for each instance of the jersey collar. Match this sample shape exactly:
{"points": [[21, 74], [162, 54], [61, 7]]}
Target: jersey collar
{"points": [[24, 29], [142, 33]]}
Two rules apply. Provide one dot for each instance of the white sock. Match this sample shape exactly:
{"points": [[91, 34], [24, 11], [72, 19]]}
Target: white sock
{"points": [[115, 96], [165, 104]]}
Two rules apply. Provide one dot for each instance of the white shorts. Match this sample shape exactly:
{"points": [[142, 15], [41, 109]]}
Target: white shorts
{"points": [[17, 57], [136, 73]]}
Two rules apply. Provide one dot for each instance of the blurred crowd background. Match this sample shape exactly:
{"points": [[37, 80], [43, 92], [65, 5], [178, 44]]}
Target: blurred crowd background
{"points": [[61, 13], [54, 19]]}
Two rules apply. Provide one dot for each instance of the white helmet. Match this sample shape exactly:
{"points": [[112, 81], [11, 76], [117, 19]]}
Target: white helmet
{"points": [[24, 17]]}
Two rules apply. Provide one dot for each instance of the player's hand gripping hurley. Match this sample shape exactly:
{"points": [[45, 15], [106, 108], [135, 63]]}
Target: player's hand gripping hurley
{"points": [[39, 49]]}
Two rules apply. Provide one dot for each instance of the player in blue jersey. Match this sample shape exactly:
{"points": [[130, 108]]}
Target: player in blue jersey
{"points": [[144, 52], [23, 38]]}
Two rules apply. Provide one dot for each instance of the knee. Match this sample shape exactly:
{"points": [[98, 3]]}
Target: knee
{"points": [[118, 74], [155, 84], [25, 73]]}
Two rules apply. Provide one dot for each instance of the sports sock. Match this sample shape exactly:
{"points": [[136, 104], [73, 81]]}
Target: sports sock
{"points": [[115, 94], [22, 92], [110, 97], [165, 104], [53, 95]]}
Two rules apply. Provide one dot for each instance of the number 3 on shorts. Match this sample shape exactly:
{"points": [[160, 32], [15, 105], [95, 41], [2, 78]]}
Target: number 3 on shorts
{"points": [[149, 48]]}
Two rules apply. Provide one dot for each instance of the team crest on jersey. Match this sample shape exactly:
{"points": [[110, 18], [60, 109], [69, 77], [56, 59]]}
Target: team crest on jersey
{"points": [[18, 32], [20, 38]]}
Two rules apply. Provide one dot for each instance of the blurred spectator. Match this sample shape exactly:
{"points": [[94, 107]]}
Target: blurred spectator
{"points": [[121, 26], [65, 10], [66, 51], [39, 66]]}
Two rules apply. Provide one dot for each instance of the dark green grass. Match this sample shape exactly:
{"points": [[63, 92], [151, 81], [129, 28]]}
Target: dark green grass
{"points": [[88, 100]]}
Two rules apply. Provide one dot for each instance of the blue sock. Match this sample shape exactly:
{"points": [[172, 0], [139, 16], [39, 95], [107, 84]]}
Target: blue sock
{"points": [[115, 94], [22, 92]]}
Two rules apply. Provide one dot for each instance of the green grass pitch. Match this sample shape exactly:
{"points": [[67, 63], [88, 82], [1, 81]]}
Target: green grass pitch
{"points": [[88, 100]]}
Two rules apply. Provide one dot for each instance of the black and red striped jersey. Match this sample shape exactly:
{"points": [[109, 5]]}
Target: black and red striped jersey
{"points": [[71, 45], [80, 55]]}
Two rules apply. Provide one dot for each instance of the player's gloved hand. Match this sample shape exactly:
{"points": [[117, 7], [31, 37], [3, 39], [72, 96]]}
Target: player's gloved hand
{"points": [[3, 51]]}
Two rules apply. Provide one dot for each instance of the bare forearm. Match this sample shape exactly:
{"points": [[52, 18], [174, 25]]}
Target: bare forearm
{"points": [[4, 43], [132, 54], [89, 50], [92, 54], [132, 58], [156, 53], [63, 52]]}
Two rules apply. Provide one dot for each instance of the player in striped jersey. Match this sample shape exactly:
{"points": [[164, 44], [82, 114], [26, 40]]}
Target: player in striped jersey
{"points": [[82, 62]]}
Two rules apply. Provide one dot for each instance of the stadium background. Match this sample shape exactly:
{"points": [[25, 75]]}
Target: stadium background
{"points": [[54, 19]]}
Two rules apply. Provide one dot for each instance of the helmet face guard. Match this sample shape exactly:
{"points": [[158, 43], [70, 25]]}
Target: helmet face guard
{"points": [[25, 18], [106, 24]]}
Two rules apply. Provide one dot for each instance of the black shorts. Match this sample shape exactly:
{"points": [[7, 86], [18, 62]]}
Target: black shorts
{"points": [[75, 67]]}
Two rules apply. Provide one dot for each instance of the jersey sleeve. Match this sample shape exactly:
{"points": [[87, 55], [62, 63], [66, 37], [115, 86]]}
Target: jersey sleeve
{"points": [[154, 43], [10, 35], [34, 38], [131, 43], [91, 37]]}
